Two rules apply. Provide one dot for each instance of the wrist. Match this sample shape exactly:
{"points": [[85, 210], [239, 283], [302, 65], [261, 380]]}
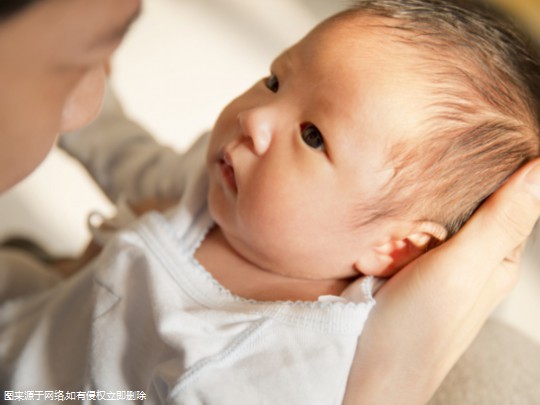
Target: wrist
{"points": [[391, 381]]}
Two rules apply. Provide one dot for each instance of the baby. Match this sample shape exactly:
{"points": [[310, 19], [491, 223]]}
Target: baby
{"points": [[372, 139]]}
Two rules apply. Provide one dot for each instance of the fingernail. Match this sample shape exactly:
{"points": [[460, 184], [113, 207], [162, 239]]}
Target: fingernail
{"points": [[533, 180]]}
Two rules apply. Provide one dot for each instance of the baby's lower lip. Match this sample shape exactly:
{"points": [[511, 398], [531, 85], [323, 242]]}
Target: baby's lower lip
{"points": [[227, 172]]}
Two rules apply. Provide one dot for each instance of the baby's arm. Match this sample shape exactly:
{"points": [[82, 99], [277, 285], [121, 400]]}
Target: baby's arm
{"points": [[125, 160]]}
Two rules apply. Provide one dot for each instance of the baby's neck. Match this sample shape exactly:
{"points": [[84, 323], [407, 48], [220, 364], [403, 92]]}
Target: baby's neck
{"points": [[247, 280]]}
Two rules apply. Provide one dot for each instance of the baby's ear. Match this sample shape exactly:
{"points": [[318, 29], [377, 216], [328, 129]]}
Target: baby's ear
{"points": [[386, 258]]}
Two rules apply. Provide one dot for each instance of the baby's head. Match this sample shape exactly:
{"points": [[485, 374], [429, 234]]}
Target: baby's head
{"points": [[484, 117], [373, 138]]}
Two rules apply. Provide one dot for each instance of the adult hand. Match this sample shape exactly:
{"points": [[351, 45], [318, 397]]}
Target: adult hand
{"points": [[427, 315]]}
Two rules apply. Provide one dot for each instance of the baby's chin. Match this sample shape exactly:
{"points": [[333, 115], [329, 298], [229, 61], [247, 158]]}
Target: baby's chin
{"points": [[284, 265]]}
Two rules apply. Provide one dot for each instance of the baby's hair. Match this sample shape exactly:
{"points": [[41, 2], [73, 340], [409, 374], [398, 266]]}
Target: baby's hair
{"points": [[485, 117]]}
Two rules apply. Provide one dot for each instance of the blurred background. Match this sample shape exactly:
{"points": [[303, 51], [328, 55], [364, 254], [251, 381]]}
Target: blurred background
{"points": [[182, 61]]}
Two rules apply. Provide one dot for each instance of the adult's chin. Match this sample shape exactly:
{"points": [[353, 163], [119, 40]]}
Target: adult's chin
{"points": [[19, 163]]}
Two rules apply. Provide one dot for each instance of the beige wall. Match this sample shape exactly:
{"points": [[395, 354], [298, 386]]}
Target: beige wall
{"points": [[526, 10]]}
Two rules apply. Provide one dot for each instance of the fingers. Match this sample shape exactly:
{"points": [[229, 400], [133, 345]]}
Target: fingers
{"points": [[443, 298], [489, 297], [489, 243], [515, 255], [503, 222]]}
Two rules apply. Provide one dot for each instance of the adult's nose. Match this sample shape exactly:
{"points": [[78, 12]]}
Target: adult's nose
{"points": [[84, 102]]}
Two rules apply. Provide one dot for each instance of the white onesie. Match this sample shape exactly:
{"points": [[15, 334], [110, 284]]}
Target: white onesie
{"points": [[146, 317]]}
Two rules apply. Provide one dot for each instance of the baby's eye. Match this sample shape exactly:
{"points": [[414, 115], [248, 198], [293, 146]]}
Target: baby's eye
{"points": [[272, 83], [312, 137]]}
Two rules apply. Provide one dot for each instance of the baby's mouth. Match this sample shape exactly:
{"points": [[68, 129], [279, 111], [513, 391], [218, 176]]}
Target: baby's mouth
{"points": [[227, 171]]}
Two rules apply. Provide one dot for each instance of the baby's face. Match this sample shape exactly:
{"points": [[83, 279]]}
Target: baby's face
{"points": [[291, 160]]}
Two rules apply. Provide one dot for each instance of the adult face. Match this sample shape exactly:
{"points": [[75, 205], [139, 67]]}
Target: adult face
{"points": [[52, 75]]}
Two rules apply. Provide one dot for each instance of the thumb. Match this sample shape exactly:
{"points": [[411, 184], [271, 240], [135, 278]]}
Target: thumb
{"points": [[503, 222]]}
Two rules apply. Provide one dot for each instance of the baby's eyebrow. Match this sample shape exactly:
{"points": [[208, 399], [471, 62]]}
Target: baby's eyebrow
{"points": [[284, 61]]}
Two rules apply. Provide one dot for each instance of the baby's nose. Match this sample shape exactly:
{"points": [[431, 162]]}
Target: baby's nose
{"points": [[256, 125]]}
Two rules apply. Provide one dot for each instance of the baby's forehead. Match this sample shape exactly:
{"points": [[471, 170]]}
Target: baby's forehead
{"points": [[398, 88], [373, 40], [444, 73], [376, 42]]}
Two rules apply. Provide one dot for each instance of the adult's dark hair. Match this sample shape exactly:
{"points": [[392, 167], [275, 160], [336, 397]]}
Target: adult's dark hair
{"points": [[10, 7]]}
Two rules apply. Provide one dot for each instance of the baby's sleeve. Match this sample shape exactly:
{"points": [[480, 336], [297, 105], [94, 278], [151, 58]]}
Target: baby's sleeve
{"points": [[125, 160]]}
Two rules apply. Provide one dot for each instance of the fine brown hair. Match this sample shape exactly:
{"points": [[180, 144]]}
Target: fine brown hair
{"points": [[484, 121]]}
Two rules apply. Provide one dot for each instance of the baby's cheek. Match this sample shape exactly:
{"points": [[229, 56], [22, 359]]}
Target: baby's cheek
{"points": [[274, 212], [258, 209]]}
